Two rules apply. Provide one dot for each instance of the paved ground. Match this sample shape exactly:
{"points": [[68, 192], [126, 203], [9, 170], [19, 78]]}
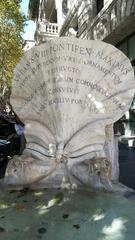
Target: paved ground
{"points": [[57, 215]]}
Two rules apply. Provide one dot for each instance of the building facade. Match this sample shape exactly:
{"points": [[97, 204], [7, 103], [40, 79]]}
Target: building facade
{"points": [[28, 44], [112, 21]]}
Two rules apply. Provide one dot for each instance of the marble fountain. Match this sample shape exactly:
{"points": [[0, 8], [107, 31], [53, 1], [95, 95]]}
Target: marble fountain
{"points": [[68, 92]]}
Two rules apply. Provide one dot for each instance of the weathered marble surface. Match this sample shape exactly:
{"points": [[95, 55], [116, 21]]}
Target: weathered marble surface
{"points": [[66, 91]]}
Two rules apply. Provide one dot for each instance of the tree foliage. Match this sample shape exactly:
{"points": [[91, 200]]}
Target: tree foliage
{"points": [[11, 26]]}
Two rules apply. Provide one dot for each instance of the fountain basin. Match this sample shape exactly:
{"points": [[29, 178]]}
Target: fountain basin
{"points": [[56, 214]]}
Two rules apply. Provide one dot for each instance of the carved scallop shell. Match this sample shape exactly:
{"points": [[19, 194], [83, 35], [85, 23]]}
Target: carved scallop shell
{"points": [[66, 91]]}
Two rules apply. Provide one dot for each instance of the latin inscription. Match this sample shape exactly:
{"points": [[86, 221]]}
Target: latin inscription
{"points": [[61, 65]]}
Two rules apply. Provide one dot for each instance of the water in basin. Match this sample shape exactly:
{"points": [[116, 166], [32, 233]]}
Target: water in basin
{"points": [[58, 215]]}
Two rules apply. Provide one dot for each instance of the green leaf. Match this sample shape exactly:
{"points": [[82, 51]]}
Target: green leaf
{"points": [[12, 24]]}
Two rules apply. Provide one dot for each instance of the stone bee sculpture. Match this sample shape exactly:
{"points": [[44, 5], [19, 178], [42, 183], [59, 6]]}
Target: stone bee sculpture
{"points": [[65, 92]]}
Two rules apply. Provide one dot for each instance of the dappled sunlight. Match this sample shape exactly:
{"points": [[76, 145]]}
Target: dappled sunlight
{"points": [[116, 230], [63, 215], [4, 206], [58, 199], [43, 210], [38, 193], [13, 204], [97, 104], [98, 215]]}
